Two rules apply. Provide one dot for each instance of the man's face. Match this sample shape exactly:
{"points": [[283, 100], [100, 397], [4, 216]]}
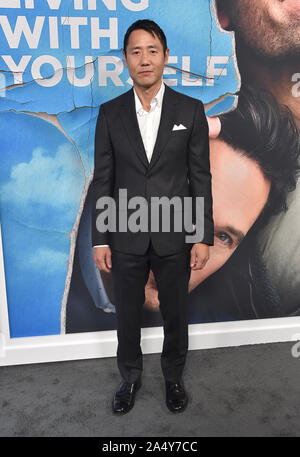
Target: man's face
{"points": [[240, 192], [271, 28], [145, 58]]}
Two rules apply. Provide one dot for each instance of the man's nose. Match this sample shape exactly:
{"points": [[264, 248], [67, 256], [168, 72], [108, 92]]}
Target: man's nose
{"points": [[145, 59]]}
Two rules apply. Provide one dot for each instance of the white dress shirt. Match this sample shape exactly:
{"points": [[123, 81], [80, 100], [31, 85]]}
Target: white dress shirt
{"points": [[149, 120], [148, 123]]}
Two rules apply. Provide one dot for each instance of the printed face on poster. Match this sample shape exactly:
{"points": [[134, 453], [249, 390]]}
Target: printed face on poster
{"points": [[59, 62]]}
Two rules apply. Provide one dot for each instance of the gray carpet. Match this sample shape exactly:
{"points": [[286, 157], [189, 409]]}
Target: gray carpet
{"points": [[241, 391]]}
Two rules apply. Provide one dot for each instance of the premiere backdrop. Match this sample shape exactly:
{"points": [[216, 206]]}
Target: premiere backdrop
{"points": [[60, 60]]}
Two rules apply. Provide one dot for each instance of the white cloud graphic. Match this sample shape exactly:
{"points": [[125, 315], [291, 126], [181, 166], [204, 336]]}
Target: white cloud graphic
{"points": [[55, 180], [46, 260]]}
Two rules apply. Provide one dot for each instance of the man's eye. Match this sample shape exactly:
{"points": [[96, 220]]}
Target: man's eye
{"points": [[224, 237]]}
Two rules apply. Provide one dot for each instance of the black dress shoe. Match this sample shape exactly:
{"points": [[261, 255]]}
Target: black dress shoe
{"points": [[176, 397], [124, 398]]}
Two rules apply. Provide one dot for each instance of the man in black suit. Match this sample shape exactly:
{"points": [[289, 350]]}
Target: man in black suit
{"points": [[153, 142]]}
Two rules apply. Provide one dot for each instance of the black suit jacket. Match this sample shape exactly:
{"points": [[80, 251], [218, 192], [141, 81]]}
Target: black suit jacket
{"points": [[179, 167]]}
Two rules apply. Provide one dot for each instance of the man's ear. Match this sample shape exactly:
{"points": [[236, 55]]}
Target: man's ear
{"points": [[167, 56], [222, 8], [124, 57], [224, 20], [214, 127]]}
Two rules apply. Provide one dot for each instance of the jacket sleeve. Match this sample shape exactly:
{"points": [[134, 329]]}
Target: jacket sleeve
{"points": [[199, 172], [103, 180]]}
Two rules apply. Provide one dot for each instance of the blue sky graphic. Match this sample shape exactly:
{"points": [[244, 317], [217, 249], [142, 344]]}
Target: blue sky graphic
{"points": [[41, 186]]}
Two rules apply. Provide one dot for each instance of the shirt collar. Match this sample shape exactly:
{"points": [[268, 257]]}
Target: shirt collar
{"points": [[156, 100]]}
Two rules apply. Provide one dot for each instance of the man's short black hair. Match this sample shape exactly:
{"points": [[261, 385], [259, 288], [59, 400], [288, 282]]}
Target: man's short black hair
{"points": [[264, 131], [148, 26]]}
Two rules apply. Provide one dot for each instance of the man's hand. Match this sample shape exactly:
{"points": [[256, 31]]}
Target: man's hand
{"points": [[151, 294], [102, 258], [199, 256]]}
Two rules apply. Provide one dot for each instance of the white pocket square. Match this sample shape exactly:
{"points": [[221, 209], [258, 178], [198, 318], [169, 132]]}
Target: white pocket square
{"points": [[179, 127]]}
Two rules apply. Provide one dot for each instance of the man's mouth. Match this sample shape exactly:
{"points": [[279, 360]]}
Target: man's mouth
{"points": [[145, 72]]}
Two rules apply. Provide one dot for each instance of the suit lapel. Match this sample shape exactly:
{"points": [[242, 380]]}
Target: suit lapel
{"points": [[168, 114], [130, 122]]}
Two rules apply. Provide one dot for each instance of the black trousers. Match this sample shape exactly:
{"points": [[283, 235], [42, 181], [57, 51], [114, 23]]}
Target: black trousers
{"points": [[130, 275]]}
